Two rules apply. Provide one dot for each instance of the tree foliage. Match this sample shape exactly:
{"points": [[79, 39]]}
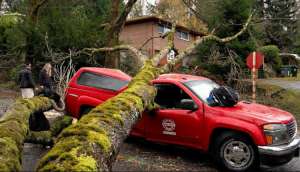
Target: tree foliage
{"points": [[176, 11], [224, 17], [280, 22], [271, 54]]}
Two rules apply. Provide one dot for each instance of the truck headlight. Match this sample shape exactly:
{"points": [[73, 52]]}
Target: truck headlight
{"points": [[276, 134]]}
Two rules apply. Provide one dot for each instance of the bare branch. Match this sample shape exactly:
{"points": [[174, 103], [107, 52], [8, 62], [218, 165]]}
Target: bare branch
{"points": [[117, 48], [170, 35], [230, 38]]}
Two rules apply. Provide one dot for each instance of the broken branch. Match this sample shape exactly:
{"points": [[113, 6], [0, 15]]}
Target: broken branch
{"points": [[189, 50], [140, 56]]}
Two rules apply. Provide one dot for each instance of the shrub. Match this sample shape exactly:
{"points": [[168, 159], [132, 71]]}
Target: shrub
{"points": [[271, 53]]}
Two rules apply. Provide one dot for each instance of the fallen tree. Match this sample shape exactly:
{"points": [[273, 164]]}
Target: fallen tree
{"points": [[93, 143], [14, 128]]}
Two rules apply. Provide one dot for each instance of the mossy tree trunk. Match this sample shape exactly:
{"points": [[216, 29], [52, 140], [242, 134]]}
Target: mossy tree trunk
{"points": [[14, 128], [93, 143]]}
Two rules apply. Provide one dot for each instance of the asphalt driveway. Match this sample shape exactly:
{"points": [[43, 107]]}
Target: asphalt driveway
{"points": [[287, 84], [140, 155]]}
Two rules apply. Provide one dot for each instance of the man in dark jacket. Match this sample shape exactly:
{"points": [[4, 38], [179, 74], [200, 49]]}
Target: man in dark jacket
{"points": [[26, 82]]}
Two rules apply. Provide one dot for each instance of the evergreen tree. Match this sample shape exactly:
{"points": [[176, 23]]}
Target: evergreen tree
{"points": [[280, 22], [228, 17]]}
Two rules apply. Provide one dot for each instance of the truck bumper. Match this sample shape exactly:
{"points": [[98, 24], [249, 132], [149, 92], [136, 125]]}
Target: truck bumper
{"points": [[278, 155]]}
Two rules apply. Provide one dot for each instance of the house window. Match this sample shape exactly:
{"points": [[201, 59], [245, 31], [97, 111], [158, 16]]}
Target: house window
{"points": [[183, 35], [163, 29]]}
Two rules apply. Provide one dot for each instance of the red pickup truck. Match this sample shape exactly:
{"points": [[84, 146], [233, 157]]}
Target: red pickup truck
{"points": [[238, 138]]}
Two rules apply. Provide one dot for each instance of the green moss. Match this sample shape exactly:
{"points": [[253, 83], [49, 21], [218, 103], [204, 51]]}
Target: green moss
{"points": [[86, 163], [72, 162], [9, 155], [76, 144], [64, 145], [59, 124], [14, 128], [101, 139]]}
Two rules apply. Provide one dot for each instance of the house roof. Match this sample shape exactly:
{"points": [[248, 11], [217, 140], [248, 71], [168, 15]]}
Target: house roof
{"points": [[160, 20]]}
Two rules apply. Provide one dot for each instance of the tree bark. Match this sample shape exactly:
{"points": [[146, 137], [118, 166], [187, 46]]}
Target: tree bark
{"points": [[112, 59], [34, 8], [14, 128], [33, 12]]}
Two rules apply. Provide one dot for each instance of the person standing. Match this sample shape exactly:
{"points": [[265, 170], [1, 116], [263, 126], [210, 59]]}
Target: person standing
{"points": [[48, 87], [46, 81], [26, 82]]}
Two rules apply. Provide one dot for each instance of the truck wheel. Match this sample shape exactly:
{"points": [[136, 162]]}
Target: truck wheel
{"points": [[235, 152]]}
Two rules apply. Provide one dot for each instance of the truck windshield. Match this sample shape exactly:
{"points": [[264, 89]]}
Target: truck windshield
{"points": [[202, 88]]}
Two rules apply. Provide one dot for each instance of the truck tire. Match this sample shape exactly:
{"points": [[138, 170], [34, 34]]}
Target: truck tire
{"points": [[235, 152]]}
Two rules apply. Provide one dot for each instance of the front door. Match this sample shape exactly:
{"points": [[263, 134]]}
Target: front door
{"points": [[173, 122]]}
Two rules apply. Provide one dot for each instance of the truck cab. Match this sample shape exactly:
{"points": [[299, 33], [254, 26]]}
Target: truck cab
{"points": [[239, 138]]}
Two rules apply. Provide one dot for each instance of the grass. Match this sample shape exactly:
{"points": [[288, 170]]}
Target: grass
{"points": [[9, 85], [288, 100]]}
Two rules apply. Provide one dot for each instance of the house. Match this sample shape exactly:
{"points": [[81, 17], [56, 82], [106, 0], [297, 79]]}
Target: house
{"points": [[145, 33]]}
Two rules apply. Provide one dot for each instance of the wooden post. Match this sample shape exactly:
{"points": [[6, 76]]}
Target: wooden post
{"points": [[254, 78]]}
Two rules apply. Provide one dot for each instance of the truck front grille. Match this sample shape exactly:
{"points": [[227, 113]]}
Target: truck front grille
{"points": [[292, 129]]}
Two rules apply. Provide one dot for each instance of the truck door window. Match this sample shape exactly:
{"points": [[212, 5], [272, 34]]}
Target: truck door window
{"points": [[101, 81], [170, 96]]}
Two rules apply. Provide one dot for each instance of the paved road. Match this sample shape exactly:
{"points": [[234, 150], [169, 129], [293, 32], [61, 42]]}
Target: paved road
{"points": [[295, 85], [138, 155]]}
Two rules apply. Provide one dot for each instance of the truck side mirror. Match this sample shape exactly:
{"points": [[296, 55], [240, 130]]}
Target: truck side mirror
{"points": [[188, 104]]}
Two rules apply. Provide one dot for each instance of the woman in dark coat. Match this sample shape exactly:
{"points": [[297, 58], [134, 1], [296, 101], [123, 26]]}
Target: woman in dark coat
{"points": [[46, 81], [47, 85]]}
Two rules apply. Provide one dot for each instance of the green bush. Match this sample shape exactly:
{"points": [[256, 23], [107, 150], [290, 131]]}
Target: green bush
{"points": [[10, 36], [271, 53]]}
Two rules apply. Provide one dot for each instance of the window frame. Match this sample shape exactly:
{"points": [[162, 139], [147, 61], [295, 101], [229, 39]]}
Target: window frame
{"points": [[170, 85], [180, 33], [102, 76], [164, 27]]}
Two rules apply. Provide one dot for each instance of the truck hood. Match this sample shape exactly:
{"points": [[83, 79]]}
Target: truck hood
{"points": [[257, 113]]}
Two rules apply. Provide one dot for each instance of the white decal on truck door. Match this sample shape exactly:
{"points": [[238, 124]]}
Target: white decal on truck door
{"points": [[169, 127]]}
